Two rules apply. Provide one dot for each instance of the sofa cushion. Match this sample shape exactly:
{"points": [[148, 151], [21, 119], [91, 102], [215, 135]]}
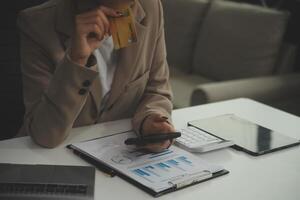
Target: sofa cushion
{"points": [[239, 40], [182, 22], [183, 85]]}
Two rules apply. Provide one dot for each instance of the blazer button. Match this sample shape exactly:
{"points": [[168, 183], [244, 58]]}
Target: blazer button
{"points": [[86, 83], [82, 91]]}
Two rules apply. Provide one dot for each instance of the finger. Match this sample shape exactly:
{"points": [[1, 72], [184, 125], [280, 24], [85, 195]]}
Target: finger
{"points": [[159, 118], [109, 12], [99, 18], [95, 12], [166, 126], [105, 22], [158, 147], [157, 128], [96, 20], [94, 28], [91, 13], [163, 127]]}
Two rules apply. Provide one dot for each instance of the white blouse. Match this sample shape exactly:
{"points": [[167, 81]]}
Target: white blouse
{"points": [[106, 63]]}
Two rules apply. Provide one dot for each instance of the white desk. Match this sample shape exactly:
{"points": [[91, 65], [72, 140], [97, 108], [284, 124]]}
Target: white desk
{"points": [[274, 176]]}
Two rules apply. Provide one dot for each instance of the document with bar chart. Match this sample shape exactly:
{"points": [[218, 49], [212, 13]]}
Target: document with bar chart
{"points": [[159, 172]]}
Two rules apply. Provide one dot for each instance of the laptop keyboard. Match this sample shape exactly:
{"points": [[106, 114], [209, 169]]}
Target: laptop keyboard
{"points": [[48, 189]]}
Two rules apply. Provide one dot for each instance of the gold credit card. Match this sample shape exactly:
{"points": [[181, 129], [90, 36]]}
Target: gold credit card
{"points": [[123, 29]]}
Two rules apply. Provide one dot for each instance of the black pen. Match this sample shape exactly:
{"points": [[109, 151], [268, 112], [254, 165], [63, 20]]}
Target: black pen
{"points": [[99, 165], [152, 138]]}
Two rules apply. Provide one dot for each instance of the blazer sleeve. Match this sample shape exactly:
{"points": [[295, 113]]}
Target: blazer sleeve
{"points": [[157, 97], [53, 94]]}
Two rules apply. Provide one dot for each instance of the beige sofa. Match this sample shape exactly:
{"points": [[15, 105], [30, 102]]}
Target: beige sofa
{"points": [[219, 50]]}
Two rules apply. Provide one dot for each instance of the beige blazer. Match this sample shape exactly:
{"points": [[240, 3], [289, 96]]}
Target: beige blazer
{"points": [[59, 94]]}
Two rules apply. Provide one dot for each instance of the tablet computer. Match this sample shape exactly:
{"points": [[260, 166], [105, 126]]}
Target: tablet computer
{"points": [[247, 136]]}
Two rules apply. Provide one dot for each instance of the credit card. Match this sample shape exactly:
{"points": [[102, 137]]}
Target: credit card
{"points": [[123, 29]]}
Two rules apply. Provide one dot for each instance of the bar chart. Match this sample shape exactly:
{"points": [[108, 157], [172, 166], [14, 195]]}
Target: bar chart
{"points": [[164, 169]]}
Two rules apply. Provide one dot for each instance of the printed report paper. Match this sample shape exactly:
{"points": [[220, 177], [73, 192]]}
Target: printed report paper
{"points": [[158, 171]]}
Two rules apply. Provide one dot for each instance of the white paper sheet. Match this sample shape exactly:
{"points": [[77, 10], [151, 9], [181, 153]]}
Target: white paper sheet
{"points": [[155, 170]]}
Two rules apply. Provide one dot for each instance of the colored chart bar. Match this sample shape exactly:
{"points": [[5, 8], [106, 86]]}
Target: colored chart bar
{"points": [[184, 160]]}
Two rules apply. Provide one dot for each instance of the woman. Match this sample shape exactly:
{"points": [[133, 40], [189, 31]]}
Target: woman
{"points": [[72, 76]]}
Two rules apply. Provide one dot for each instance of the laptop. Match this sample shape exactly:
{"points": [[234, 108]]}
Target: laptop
{"points": [[46, 182]]}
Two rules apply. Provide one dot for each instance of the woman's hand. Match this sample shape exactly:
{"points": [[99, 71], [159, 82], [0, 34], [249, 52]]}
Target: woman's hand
{"points": [[90, 29], [153, 124]]}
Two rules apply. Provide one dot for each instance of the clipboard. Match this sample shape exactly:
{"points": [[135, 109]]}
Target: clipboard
{"points": [[175, 184]]}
